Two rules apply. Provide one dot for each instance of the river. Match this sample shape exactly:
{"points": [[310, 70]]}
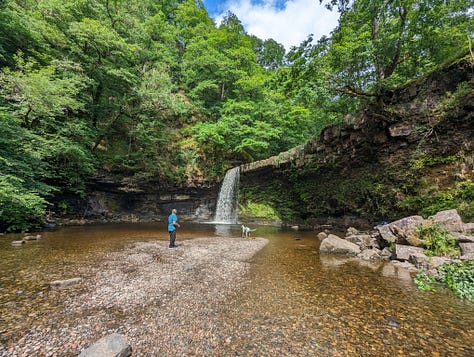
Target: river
{"points": [[294, 302]]}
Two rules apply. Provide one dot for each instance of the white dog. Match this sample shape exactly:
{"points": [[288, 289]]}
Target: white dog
{"points": [[246, 231]]}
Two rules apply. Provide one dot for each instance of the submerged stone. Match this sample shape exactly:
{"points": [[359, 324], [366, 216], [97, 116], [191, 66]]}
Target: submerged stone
{"points": [[114, 345]]}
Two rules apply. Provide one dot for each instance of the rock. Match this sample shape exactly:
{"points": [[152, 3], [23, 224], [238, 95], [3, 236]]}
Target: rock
{"points": [[370, 254], [392, 321], [420, 260], [65, 283], [467, 249], [295, 227], [322, 236], [435, 261], [386, 254], [403, 252], [335, 245], [428, 264], [406, 265], [462, 238], [354, 239], [114, 345], [405, 230], [469, 227], [36, 237], [450, 220], [386, 233], [364, 241], [351, 231], [400, 129], [17, 243]]}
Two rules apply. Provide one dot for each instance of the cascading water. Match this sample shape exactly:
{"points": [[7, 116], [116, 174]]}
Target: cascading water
{"points": [[226, 210]]}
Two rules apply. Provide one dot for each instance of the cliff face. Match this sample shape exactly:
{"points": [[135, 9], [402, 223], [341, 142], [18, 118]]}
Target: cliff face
{"points": [[411, 151], [126, 200]]}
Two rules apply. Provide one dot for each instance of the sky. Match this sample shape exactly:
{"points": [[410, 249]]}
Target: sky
{"points": [[288, 22]]}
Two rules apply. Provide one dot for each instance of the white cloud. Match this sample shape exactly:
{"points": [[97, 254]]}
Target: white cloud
{"points": [[289, 25]]}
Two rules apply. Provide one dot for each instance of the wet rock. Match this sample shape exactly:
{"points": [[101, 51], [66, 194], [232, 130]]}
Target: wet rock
{"points": [[335, 245], [403, 252], [407, 265], [114, 345], [392, 321], [30, 237], [65, 283]]}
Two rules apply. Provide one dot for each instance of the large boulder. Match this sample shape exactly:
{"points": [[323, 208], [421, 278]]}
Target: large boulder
{"points": [[450, 220], [335, 245], [114, 345], [405, 230], [402, 231]]}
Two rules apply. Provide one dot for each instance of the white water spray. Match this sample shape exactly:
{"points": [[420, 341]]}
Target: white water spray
{"points": [[226, 210]]}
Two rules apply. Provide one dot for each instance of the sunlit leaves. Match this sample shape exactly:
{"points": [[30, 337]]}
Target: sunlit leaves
{"points": [[43, 92]]}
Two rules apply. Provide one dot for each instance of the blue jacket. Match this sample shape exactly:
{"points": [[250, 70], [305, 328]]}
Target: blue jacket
{"points": [[171, 219]]}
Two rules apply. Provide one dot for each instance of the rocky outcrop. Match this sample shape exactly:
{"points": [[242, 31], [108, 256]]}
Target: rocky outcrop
{"points": [[401, 236], [403, 231], [125, 200], [364, 170]]}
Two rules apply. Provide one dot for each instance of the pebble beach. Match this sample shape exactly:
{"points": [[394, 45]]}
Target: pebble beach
{"points": [[167, 302]]}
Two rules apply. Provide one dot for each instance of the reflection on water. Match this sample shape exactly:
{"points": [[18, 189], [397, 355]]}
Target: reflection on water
{"points": [[296, 302], [223, 230]]}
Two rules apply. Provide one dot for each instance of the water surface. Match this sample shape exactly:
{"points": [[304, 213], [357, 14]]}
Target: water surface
{"points": [[296, 302]]}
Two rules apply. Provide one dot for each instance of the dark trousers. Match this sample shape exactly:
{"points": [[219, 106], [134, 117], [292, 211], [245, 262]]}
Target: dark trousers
{"points": [[172, 238]]}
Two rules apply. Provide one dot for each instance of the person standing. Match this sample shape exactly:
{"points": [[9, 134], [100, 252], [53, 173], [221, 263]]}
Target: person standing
{"points": [[172, 225]]}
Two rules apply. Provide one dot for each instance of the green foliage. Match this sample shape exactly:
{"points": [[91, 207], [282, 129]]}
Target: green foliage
{"points": [[20, 208], [386, 43], [459, 277], [157, 91], [260, 211], [424, 281], [274, 199], [437, 240], [429, 201]]}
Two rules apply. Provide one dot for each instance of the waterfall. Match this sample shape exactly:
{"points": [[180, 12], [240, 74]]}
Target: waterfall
{"points": [[226, 210]]}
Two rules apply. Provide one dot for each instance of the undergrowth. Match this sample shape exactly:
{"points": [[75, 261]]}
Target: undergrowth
{"points": [[438, 240], [459, 277]]}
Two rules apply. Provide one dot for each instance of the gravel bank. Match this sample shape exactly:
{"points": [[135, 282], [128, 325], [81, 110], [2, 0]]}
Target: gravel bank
{"points": [[166, 301]]}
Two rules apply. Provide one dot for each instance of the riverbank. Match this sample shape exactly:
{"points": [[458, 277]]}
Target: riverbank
{"points": [[166, 301]]}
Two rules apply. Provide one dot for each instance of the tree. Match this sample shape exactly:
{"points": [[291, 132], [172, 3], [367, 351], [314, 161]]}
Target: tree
{"points": [[386, 43]]}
